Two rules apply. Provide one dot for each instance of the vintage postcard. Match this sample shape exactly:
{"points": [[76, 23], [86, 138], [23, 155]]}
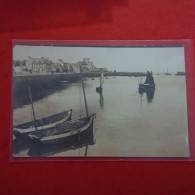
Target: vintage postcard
{"points": [[91, 100]]}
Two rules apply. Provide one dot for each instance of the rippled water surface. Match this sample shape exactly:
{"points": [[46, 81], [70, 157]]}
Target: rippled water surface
{"points": [[127, 123]]}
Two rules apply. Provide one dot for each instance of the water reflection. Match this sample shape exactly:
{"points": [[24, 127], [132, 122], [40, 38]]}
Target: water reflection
{"points": [[101, 100], [20, 145], [21, 97], [149, 93], [35, 149]]}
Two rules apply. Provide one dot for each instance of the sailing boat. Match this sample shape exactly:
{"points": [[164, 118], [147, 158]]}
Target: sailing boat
{"points": [[167, 73], [149, 82], [41, 123], [100, 88], [67, 132]]}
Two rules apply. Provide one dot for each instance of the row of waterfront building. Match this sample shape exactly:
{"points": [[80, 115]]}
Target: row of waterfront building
{"points": [[45, 65]]}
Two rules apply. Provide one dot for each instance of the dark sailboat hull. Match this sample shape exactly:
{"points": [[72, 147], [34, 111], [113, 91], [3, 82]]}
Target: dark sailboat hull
{"points": [[146, 86]]}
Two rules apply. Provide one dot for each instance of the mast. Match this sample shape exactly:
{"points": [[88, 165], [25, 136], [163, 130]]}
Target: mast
{"points": [[86, 108], [101, 79], [32, 108], [85, 98]]}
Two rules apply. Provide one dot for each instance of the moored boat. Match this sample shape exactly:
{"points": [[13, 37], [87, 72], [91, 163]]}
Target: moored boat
{"points": [[65, 82], [180, 74], [167, 73], [149, 82], [43, 123], [66, 132], [146, 86]]}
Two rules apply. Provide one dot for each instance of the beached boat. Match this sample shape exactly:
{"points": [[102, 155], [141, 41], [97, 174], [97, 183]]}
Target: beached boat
{"points": [[100, 88], [149, 82], [70, 131], [42, 123]]}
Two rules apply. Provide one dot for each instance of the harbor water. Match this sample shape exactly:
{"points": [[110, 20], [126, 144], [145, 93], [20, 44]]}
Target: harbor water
{"points": [[127, 123]]}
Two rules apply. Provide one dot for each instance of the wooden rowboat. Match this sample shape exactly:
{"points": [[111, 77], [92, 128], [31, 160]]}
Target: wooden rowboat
{"points": [[66, 132], [43, 123]]}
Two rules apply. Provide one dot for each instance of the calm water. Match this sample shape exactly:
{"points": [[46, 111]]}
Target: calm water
{"points": [[127, 123]]}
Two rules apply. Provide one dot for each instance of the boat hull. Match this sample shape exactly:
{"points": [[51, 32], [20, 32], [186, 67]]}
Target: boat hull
{"points": [[99, 89], [146, 86], [74, 135], [28, 127]]}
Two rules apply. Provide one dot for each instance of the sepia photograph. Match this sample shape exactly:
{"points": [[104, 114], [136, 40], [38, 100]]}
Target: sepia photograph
{"points": [[99, 101]]}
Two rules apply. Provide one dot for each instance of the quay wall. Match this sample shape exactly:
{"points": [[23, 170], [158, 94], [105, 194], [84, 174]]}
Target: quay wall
{"points": [[44, 79]]}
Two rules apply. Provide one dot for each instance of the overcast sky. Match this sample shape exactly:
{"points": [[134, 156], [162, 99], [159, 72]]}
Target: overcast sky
{"points": [[130, 59]]}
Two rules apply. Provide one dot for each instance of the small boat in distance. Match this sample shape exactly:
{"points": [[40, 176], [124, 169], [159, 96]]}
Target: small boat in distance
{"points": [[149, 82], [180, 74], [167, 73], [65, 82], [100, 88]]}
